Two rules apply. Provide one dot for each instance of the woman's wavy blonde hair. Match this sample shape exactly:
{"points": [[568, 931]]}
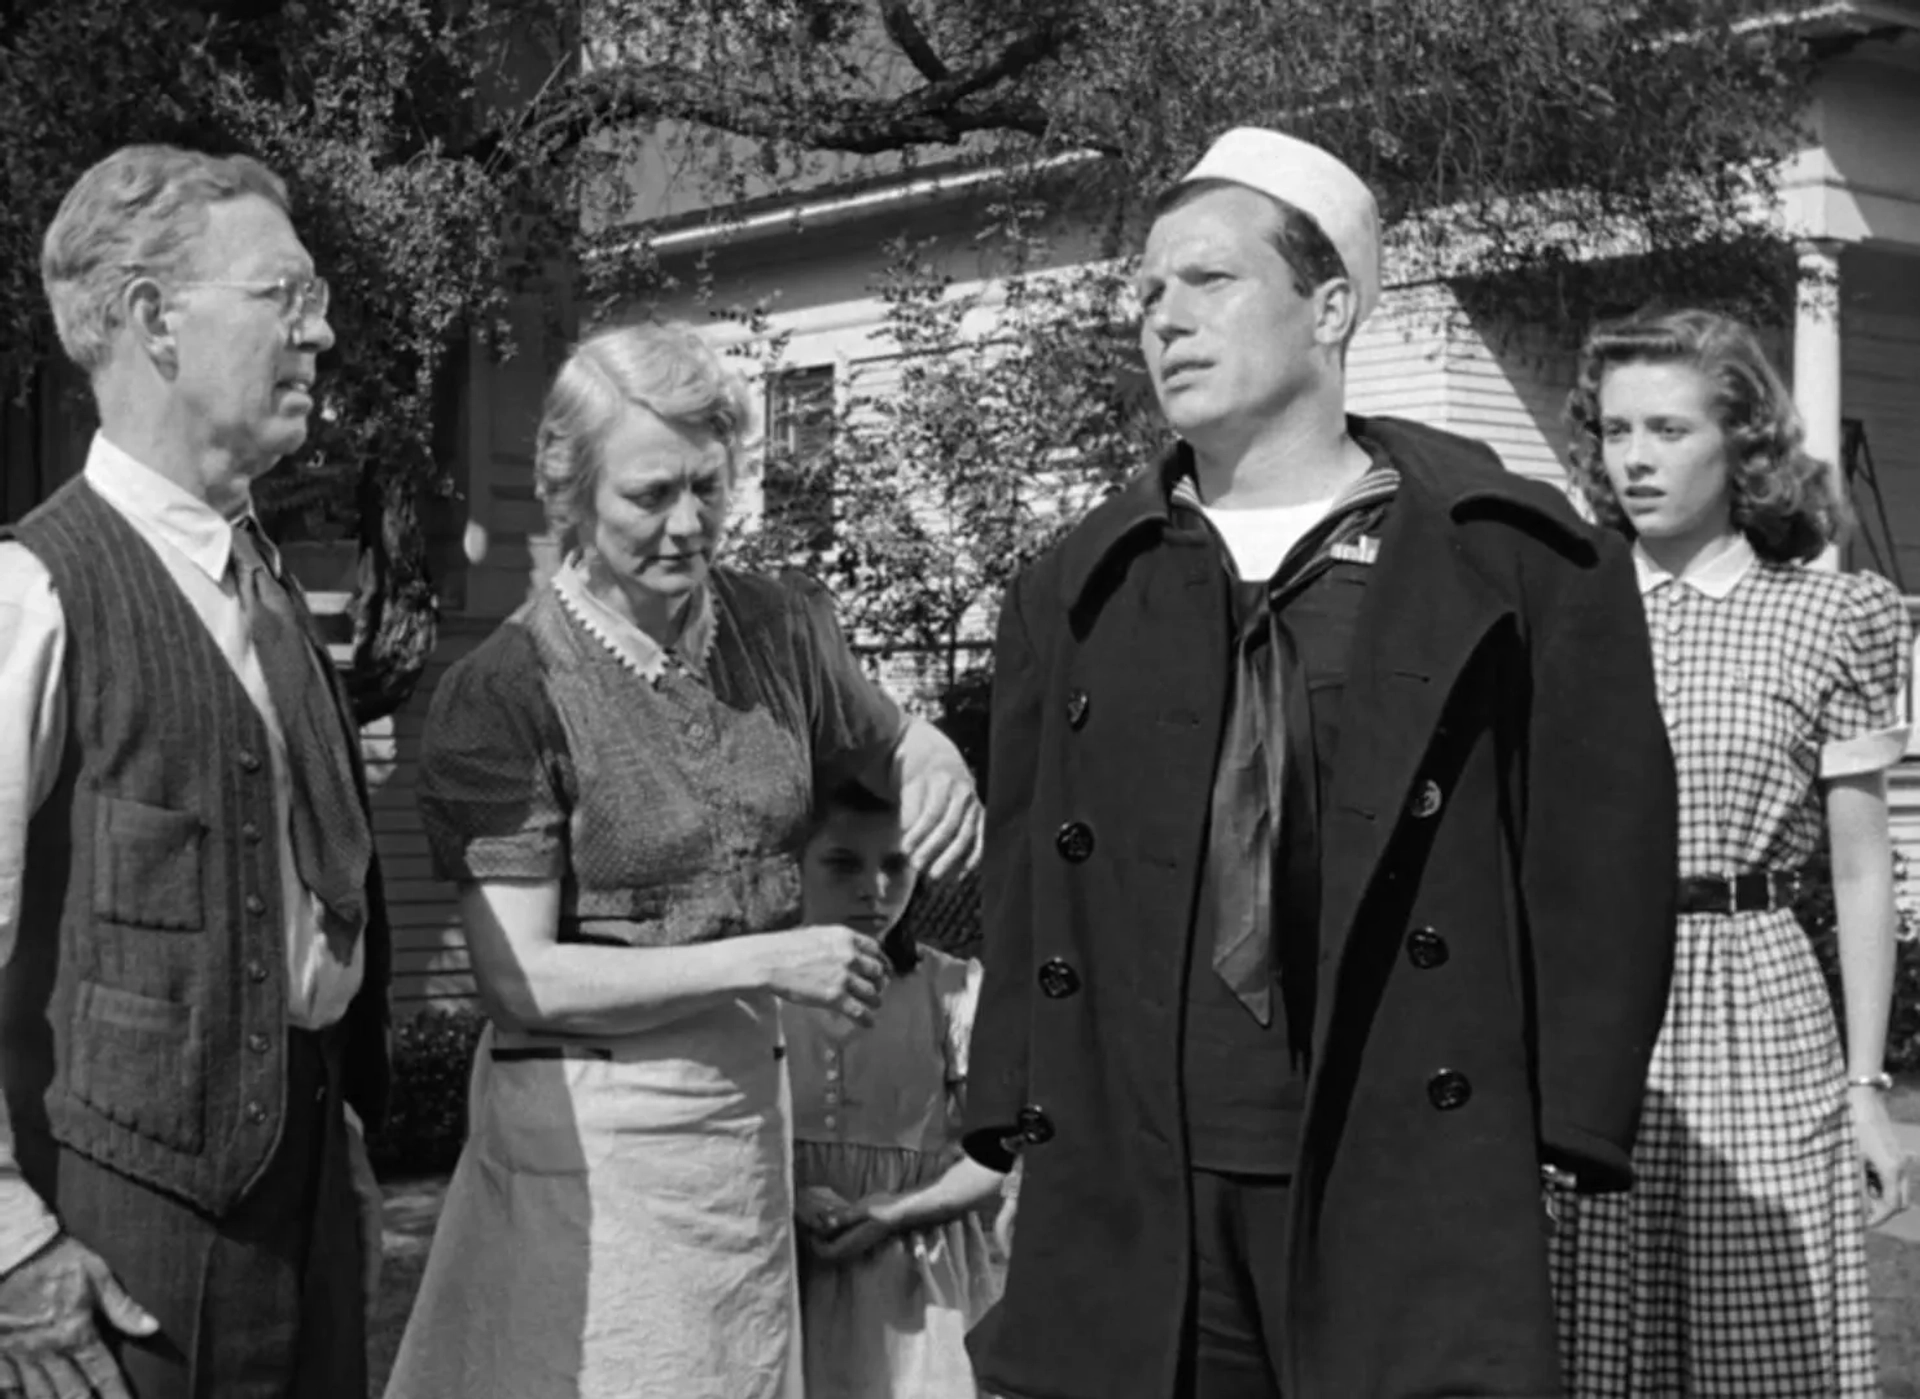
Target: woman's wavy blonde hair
{"points": [[1784, 500], [662, 366]]}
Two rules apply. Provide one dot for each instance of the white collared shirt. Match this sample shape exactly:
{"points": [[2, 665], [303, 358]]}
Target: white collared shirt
{"points": [[195, 542], [1715, 577]]}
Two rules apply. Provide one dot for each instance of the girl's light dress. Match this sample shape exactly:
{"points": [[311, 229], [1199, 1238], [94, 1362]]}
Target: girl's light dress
{"points": [[1736, 1268], [877, 1109]]}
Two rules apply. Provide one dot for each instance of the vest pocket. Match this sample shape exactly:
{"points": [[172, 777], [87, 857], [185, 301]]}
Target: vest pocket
{"points": [[137, 1061], [146, 865]]}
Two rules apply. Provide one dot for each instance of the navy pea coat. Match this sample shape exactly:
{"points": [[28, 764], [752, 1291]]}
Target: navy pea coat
{"points": [[1495, 946]]}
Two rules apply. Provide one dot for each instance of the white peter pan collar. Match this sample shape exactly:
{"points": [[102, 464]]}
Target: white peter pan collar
{"points": [[1715, 577]]}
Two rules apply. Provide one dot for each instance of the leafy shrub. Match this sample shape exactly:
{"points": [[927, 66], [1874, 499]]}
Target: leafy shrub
{"points": [[427, 1118], [1815, 912]]}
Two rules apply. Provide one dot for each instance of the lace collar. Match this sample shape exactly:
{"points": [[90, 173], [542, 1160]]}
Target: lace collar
{"points": [[627, 643]]}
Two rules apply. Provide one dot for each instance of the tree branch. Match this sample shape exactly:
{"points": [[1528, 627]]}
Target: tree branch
{"points": [[905, 31], [941, 113], [1016, 58]]}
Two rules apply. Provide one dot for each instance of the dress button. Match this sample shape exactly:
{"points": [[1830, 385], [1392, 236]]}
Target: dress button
{"points": [[256, 972], [1077, 706], [258, 1042], [1074, 842], [256, 1113], [1426, 949], [1449, 1089], [256, 904], [251, 831], [832, 1074], [249, 759], [831, 1120], [1057, 979], [833, 1098], [1036, 1128], [1426, 801]]}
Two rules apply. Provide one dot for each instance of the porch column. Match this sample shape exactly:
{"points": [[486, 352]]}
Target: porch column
{"points": [[1816, 360]]}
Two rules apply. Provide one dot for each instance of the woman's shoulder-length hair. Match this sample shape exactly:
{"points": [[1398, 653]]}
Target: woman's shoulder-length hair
{"points": [[1784, 500]]}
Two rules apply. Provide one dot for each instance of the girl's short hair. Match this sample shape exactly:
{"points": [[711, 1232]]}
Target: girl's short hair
{"points": [[1784, 500], [664, 367], [900, 945]]}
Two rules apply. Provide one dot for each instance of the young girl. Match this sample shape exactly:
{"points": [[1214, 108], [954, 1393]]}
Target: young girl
{"points": [[896, 1261], [1737, 1265]]}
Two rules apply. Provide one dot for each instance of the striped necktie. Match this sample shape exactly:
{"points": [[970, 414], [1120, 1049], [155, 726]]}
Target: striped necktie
{"points": [[332, 844]]}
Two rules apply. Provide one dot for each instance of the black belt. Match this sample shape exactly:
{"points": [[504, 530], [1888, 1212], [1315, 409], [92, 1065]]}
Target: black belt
{"points": [[1756, 891], [513, 1054]]}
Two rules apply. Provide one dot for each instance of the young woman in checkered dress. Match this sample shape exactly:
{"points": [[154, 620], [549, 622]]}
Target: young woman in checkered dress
{"points": [[1737, 1264]]}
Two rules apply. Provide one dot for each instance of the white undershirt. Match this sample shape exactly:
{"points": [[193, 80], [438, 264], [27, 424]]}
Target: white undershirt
{"points": [[1260, 537]]}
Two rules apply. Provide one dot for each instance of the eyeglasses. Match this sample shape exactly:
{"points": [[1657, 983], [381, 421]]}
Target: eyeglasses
{"points": [[299, 298]]}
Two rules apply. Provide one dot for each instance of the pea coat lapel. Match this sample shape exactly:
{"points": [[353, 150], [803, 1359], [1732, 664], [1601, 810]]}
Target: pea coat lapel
{"points": [[1146, 604], [1426, 611], [1180, 713]]}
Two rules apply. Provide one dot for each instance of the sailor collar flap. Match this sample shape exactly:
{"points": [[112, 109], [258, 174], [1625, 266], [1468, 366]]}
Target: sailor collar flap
{"points": [[1463, 478]]}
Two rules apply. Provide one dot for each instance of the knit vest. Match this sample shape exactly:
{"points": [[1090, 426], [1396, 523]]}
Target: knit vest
{"points": [[143, 1016]]}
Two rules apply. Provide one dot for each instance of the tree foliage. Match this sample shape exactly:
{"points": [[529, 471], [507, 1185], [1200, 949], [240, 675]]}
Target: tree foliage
{"points": [[1504, 135], [996, 420], [442, 151]]}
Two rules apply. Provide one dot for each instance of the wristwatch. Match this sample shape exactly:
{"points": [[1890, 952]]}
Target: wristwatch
{"points": [[1882, 1081]]}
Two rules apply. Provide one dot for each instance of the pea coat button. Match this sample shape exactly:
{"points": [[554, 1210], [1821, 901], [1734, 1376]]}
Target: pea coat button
{"points": [[1426, 949], [1074, 842], [1077, 705], [1058, 979], [1426, 802], [258, 1042], [256, 904], [1036, 1128], [1449, 1089], [249, 759], [256, 1113]]}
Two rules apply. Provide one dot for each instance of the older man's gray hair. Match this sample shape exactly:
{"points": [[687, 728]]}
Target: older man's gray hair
{"points": [[133, 215]]}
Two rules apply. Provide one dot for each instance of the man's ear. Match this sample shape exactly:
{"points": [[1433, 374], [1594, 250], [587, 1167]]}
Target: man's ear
{"points": [[151, 322], [1338, 307]]}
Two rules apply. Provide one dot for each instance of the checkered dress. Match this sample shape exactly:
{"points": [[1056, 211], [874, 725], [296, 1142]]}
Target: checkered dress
{"points": [[1737, 1265]]}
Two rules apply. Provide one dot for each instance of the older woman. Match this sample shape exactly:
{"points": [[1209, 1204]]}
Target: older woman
{"points": [[619, 780], [1737, 1265]]}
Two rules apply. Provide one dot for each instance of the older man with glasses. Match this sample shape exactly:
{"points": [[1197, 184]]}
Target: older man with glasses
{"points": [[193, 950]]}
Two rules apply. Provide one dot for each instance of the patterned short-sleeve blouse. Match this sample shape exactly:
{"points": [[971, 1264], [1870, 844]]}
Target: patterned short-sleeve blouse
{"points": [[1772, 677], [669, 801]]}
